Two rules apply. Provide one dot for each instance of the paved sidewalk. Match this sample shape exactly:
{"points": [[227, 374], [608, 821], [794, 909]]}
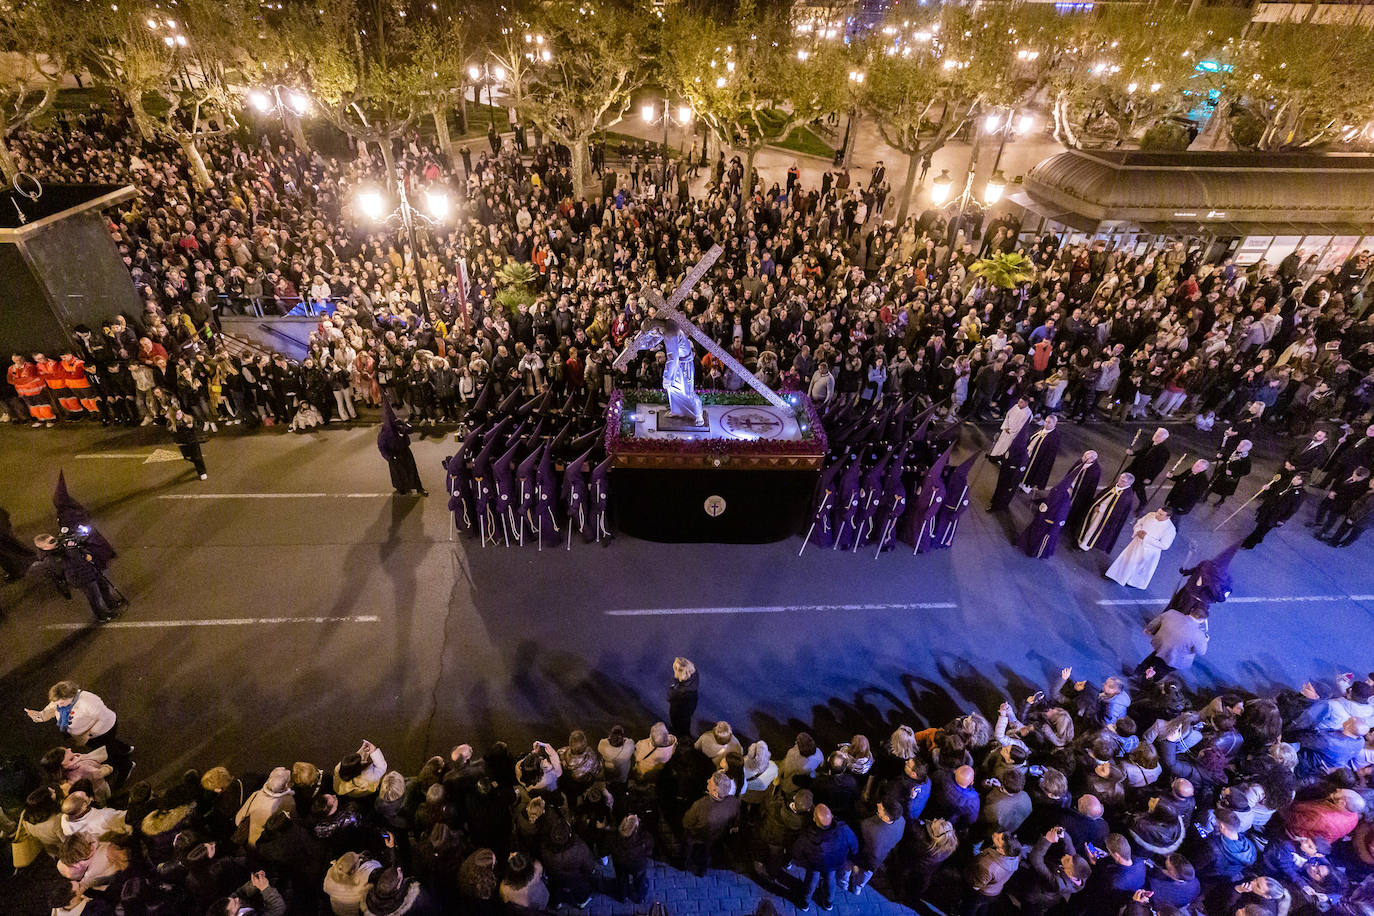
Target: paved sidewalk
{"points": [[728, 893]]}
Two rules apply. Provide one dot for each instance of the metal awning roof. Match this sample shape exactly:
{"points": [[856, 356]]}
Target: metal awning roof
{"points": [[1213, 193]]}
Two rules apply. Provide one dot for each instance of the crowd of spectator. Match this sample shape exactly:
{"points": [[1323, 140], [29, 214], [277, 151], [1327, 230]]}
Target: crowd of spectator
{"points": [[815, 290], [1130, 796]]}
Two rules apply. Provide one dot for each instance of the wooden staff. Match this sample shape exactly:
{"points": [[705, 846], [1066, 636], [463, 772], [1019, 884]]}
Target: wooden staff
{"points": [[1127, 457], [1172, 471], [1258, 493]]}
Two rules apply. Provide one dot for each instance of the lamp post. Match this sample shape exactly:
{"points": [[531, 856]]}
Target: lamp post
{"points": [[856, 80], [943, 185], [373, 204], [489, 76], [282, 101], [648, 113]]}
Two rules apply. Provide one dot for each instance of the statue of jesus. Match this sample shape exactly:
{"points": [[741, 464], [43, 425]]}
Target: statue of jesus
{"points": [[679, 372]]}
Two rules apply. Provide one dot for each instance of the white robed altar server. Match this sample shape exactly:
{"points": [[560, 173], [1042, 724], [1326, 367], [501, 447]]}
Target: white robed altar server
{"points": [[1136, 564], [1018, 416]]}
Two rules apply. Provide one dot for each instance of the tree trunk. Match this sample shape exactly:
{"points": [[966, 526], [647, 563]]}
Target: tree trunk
{"points": [[388, 160], [913, 166], [9, 166], [142, 121], [1063, 129], [852, 138], [1215, 134], [580, 167], [440, 115], [747, 186], [293, 124], [462, 113], [200, 175]]}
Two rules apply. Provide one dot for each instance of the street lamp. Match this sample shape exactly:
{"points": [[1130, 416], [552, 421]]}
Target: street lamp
{"points": [[285, 102], [373, 204], [992, 193], [940, 187], [856, 78], [648, 112], [489, 76], [943, 187]]}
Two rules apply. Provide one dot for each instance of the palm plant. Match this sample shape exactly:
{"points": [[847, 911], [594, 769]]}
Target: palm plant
{"points": [[1004, 270]]}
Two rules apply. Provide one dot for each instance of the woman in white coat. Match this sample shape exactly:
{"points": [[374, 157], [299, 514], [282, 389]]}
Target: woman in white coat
{"points": [[1135, 565]]}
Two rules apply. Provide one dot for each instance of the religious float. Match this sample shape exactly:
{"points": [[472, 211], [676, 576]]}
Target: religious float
{"points": [[716, 466]]}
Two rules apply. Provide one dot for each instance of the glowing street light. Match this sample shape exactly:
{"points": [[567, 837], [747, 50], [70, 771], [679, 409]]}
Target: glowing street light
{"points": [[371, 203], [996, 185], [940, 187], [260, 100], [720, 82], [647, 113], [684, 114], [298, 101], [992, 122], [1025, 124], [438, 203]]}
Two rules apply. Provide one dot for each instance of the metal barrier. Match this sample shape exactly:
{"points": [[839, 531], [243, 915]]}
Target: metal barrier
{"points": [[296, 306]]}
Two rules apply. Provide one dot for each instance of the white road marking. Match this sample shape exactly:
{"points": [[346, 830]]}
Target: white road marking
{"points": [[208, 622], [163, 454], [143, 455], [1249, 599], [777, 609], [274, 495]]}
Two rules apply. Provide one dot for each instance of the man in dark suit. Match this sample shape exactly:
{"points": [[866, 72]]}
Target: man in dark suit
{"points": [[1355, 450], [1307, 458], [1147, 462], [1281, 499], [1188, 490]]}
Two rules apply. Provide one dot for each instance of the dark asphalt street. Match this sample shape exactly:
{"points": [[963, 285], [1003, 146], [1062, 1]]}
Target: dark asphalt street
{"points": [[294, 607]]}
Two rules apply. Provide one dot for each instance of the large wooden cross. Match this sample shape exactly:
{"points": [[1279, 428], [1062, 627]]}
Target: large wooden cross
{"points": [[668, 309]]}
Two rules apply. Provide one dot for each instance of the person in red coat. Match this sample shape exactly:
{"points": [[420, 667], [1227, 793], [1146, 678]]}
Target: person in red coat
{"points": [[1331, 819]]}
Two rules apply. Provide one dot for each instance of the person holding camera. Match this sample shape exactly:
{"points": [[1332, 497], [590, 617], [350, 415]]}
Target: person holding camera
{"points": [[66, 560]]}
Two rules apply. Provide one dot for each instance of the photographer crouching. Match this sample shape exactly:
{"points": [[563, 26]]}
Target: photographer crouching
{"points": [[66, 560]]}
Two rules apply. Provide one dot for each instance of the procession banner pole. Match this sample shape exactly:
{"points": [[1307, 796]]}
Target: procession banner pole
{"points": [[1127, 457], [1160, 485], [1258, 494]]}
